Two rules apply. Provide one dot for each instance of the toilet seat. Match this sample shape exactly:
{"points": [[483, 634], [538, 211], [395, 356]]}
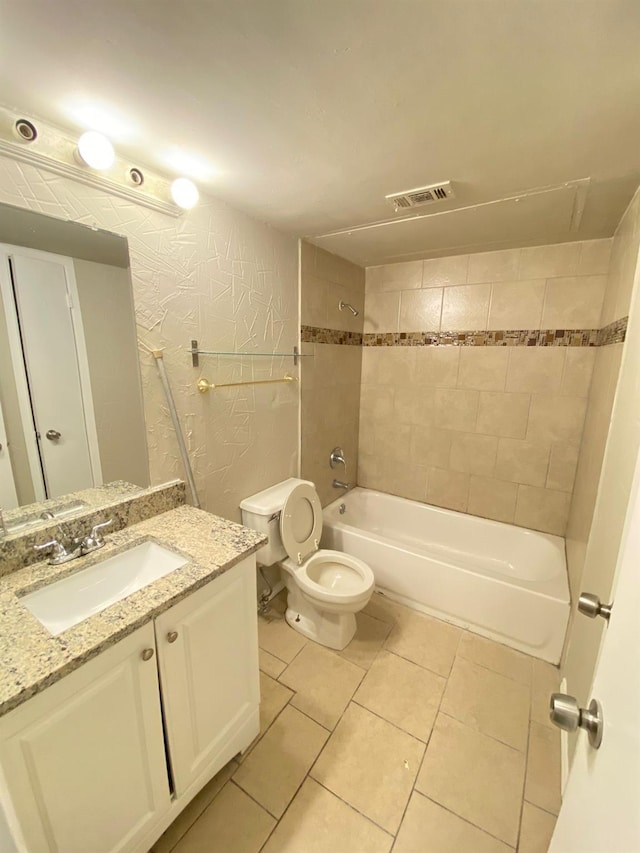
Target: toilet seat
{"points": [[301, 523], [335, 579]]}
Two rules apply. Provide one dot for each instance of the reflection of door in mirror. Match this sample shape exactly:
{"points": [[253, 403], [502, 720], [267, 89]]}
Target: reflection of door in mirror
{"points": [[50, 372]]}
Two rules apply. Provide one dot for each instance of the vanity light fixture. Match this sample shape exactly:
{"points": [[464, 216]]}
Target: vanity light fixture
{"points": [[185, 193], [91, 160], [96, 151]]}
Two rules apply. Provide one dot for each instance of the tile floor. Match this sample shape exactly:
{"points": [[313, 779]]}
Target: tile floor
{"points": [[418, 738]]}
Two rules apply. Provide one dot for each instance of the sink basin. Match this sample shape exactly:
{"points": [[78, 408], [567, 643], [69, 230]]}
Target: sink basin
{"points": [[73, 599]]}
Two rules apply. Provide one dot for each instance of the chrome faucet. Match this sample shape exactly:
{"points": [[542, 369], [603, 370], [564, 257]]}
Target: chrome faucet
{"points": [[338, 484], [337, 457], [58, 553]]}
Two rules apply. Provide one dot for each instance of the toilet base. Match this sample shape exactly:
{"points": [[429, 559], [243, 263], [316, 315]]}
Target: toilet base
{"points": [[334, 630]]}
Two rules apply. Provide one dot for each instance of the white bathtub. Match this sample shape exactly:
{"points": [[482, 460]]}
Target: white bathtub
{"points": [[504, 582]]}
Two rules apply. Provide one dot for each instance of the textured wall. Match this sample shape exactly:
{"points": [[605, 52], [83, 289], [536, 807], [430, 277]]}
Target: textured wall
{"points": [[611, 443], [493, 430], [331, 379], [216, 275]]}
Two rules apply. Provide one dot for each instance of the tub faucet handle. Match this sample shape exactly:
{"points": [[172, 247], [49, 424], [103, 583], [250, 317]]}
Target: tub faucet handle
{"points": [[337, 457]]}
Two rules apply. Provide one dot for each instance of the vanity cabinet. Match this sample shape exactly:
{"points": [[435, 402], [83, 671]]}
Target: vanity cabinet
{"points": [[208, 661], [86, 763]]}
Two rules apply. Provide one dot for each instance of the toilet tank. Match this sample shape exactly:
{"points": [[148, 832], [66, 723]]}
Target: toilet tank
{"points": [[259, 512]]}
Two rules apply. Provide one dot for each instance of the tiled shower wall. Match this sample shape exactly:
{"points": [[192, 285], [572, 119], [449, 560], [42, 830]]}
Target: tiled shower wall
{"points": [[493, 430], [331, 369]]}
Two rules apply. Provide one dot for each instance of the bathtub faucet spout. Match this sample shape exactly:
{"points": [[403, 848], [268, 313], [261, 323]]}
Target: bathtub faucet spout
{"points": [[338, 484]]}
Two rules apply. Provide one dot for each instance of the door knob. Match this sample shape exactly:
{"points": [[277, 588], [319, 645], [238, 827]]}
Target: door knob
{"points": [[172, 636], [565, 713], [53, 434], [591, 606], [147, 654]]}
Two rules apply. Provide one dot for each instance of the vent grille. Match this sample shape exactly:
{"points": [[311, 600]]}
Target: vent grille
{"points": [[422, 195]]}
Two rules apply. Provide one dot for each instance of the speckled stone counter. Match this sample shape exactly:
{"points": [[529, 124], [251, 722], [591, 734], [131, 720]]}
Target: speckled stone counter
{"points": [[123, 503], [31, 658]]}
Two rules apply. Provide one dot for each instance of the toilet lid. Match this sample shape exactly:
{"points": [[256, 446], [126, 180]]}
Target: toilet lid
{"points": [[301, 523]]}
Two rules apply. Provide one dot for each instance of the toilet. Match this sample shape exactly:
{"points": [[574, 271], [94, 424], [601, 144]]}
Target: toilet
{"points": [[325, 589]]}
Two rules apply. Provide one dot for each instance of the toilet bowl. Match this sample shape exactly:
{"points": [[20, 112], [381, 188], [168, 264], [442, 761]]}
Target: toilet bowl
{"points": [[325, 589]]}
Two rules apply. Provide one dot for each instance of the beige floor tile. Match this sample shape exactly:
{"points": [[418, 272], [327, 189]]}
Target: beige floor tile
{"points": [[475, 776], [233, 823], [270, 665], [403, 693], [425, 641], [545, 681], [324, 683], [273, 697], [277, 766], [371, 765], [428, 828], [542, 787], [497, 657], [383, 608], [278, 638], [488, 702], [192, 812], [318, 822], [370, 635], [536, 830]]}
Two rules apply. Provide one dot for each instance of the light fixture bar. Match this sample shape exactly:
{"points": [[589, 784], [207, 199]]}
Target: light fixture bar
{"points": [[54, 151]]}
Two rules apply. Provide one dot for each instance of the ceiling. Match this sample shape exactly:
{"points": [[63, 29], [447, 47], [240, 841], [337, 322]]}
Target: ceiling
{"points": [[306, 113]]}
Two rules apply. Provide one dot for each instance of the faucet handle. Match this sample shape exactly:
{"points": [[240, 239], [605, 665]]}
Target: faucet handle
{"points": [[337, 457], [59, 553], [93, 540]]}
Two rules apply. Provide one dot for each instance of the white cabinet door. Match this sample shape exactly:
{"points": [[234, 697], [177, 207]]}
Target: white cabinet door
{"points": [[84, 760], [208, 659]]}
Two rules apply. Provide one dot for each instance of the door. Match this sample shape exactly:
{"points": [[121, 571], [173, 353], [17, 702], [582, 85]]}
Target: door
{"points": [[601, 808], [84, 761], [208, 659], [8, 496], [50, 353]]}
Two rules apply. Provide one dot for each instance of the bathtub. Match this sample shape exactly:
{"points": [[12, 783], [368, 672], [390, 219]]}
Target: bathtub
{"points": [[504, 582]]}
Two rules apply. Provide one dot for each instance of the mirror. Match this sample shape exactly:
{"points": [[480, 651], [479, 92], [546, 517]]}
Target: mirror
{"points": [[71, 410]]}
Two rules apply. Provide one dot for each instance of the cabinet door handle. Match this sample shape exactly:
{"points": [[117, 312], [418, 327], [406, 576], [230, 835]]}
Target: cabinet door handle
{"points": [[147, 654], [172, 636]]}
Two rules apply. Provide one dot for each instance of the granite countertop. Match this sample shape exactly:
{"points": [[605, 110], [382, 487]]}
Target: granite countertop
{"points": [[31, 658]]}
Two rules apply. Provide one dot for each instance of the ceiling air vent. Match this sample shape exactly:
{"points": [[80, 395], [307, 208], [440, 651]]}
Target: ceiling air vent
{"points": [[422, 195]]}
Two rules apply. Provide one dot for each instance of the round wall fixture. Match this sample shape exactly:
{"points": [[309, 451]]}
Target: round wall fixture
{"points": [[136, 177], [96, 151], [25, 130], [185, 193]]}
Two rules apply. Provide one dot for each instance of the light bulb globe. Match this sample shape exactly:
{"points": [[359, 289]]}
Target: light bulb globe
{"points": [[185, 193], [96, 151]]}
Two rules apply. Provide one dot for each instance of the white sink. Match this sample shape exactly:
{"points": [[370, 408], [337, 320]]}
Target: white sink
{"points": [[73, 599]]}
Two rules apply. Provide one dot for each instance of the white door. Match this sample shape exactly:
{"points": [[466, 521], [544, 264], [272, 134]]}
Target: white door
{"points": [[601, 808], [84, 761], [8, 496], [51, 358], [208, 659]]}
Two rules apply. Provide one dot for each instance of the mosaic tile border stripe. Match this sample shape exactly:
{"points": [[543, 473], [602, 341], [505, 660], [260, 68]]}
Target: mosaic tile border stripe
{"points": [[614, 333], [318, 335], [502, 338]]}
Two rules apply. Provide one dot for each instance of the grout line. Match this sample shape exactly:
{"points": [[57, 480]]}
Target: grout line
{"points": [[353, 808], [467, 821], [251, 797]]}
